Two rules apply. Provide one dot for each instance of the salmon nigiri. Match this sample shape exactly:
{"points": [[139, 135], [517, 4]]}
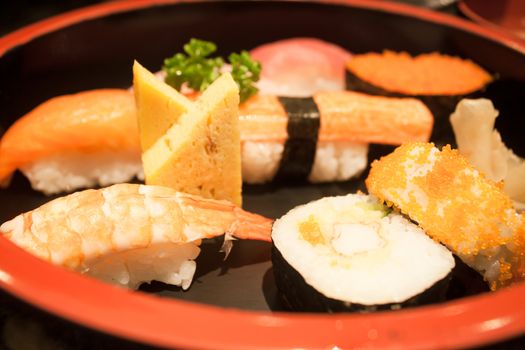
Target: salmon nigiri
{"points": [[73, 141]]}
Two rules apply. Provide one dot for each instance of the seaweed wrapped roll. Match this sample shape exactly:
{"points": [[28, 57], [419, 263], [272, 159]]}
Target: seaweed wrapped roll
{"points": [[351, 253]]}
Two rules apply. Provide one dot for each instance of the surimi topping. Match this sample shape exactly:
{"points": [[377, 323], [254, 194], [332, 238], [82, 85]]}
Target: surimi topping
{"points": [[344, 115], [373, 119]]}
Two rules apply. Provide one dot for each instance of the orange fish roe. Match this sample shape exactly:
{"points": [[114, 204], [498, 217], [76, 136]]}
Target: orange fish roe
{"points": [[456, 205], [426, 74]]}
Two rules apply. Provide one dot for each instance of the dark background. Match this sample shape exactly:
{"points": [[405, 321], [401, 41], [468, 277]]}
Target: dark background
{"points": [[16, 14]]}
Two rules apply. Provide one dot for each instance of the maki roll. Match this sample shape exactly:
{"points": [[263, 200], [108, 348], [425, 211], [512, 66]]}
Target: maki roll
{"points": [[351, 253], [440, 81]]}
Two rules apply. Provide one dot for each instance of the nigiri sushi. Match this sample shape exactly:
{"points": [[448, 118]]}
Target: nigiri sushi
{"points": [[325, 137], [456, 205], [438, 80], [300, 67], [74, 141], [127, 234]]}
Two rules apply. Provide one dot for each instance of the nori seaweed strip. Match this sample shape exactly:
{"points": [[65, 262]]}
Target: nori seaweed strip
{"points": [[296, 294], [441, 106], [299, 149]]}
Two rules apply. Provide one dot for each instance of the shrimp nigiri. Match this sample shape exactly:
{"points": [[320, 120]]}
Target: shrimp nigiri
{"points": [[127, 234]]}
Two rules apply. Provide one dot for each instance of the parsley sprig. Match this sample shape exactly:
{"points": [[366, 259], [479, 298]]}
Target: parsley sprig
{"points": [[245, 71], [198, 70]]}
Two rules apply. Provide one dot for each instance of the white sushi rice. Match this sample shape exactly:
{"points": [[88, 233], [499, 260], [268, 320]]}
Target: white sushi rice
{"points": [[67, 172], [334, 161], [70, 171], [366, 258], [170, 263]]}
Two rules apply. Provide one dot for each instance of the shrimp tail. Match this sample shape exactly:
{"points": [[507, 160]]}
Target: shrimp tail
{"points": [[253, 226], [245, 225]]}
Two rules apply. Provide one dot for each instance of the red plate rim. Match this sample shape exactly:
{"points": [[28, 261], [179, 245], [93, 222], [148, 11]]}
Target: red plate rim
{"points": [[172, 323]]}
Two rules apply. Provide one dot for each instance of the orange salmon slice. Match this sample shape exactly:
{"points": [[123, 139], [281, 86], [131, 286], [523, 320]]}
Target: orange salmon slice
{"points": [[85, 122]]}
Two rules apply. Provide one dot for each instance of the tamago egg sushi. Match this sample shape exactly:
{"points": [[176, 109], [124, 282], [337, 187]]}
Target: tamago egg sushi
{"points": [[351, 253]]}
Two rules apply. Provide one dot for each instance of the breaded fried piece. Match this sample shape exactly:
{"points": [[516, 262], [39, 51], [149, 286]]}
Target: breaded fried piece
{"points": [[456, 205]]}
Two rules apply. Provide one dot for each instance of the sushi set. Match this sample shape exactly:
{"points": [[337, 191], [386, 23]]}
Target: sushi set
{"points": [[304, 177]]}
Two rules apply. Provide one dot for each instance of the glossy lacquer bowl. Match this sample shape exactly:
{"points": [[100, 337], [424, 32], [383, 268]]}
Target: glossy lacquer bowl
{"points": [[232, 304], [504, 15]]}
